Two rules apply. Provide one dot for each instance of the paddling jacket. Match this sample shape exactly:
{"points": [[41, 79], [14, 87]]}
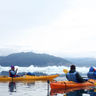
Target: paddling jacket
{"points": [[74, 76], [12, 73], [92, 73]]}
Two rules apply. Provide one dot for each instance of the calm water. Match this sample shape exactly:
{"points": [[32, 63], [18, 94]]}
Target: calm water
{"points": [[38, 88], [23, 89]]}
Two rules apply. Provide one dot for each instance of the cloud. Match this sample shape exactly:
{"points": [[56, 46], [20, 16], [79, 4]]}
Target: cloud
{"points": [[72, 30]]}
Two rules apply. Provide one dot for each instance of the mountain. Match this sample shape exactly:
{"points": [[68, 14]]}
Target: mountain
{"points": [[83, 61], [30, 58]]}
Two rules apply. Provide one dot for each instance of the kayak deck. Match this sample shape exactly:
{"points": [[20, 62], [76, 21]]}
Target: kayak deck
{"points": [[71, 84], [27, 77]]}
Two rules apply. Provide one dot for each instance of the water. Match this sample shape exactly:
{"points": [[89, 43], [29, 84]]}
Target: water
{"points": [[34, 88], [23, 89], [40, 88]]}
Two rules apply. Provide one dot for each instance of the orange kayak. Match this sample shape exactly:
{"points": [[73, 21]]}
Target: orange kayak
{"points": [[71, 84]]}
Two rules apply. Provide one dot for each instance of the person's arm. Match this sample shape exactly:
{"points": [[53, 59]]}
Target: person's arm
{"points": [[16, 70], [79, 78], [66, 76]]}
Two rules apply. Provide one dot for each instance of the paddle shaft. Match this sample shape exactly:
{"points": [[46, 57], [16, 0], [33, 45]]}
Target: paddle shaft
{"points": [[12, 79], [48, 87]]}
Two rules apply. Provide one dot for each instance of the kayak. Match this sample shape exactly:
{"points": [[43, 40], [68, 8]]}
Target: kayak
{"points": [[27, 78], [71, 84]]}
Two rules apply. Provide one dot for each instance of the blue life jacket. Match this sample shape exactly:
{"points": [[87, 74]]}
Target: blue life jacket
{"points": [[72, 76], [91, 75], [12, 73]]}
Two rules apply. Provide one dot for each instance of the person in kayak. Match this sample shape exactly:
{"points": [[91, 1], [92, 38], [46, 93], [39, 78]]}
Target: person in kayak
{"points": [[72, 75], [12, 71]]}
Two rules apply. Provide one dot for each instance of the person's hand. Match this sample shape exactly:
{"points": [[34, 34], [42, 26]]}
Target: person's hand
{"points": [[16, 69]]}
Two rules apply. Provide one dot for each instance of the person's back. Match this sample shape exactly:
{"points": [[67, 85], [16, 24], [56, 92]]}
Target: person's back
{"points": [[73, 75]]}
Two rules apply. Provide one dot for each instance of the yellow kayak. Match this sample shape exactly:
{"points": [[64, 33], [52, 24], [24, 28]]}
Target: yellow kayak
{"points": [[27, 78]]}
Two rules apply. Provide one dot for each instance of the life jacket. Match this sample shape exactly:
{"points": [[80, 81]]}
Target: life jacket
{"points": [[92, 73], [12, 73], [72, 76]]}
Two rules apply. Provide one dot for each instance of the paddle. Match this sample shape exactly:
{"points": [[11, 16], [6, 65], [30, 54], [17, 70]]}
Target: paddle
{"points": [[12, 79], [48, 87], [65, 71]]}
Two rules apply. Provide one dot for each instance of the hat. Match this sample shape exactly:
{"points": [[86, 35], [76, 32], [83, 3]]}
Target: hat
{"points": [[12, 66], [72, 66]]}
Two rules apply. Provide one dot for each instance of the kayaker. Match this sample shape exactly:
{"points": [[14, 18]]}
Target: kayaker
{"points": [[12, 71], [72, 75]]}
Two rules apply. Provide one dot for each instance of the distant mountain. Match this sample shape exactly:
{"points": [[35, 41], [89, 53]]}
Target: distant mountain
{"points": [[83, 61], [30, 58]]}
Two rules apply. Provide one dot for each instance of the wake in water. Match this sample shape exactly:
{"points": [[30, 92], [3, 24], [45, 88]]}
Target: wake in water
{"points": [[47, 70]]}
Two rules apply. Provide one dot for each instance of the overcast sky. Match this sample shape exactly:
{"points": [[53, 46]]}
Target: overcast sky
{"points": [[58, 27]]}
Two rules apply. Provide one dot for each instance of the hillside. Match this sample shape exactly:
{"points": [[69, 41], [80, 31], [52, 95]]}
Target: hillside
{"points": [[30, 58], [83, 61]]}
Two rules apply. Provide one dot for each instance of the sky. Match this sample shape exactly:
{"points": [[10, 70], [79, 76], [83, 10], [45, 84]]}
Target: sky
{"points": [[65, 28]]}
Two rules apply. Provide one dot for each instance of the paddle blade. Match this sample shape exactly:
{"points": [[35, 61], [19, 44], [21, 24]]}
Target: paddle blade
{"points": [[65, 71]]}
